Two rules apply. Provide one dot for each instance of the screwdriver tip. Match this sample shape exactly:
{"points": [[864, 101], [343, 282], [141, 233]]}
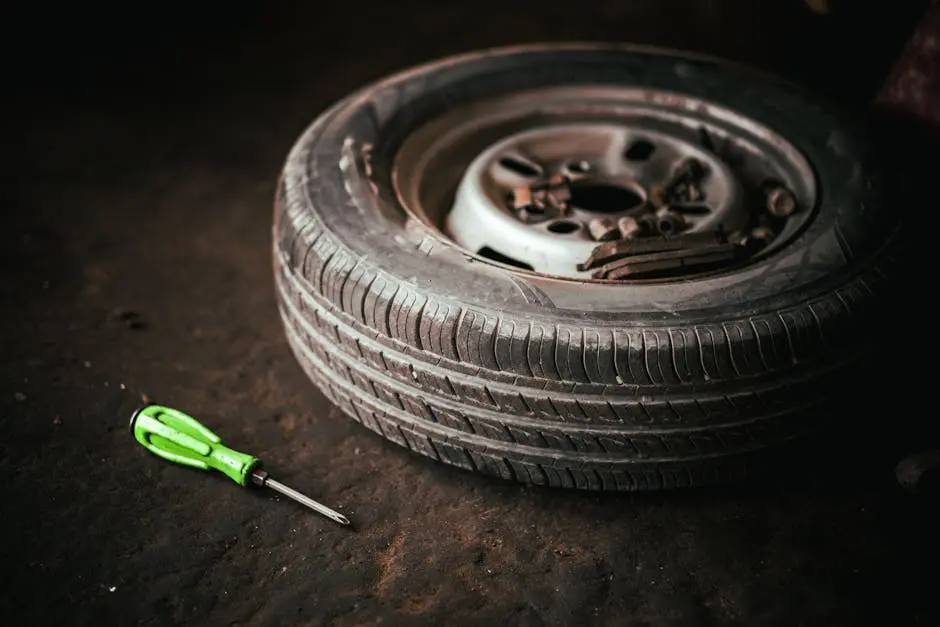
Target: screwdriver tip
{"points": [[262, 478]]}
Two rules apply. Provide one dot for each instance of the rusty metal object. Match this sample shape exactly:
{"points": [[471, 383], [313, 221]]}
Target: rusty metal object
{"points": [[780, 202], [759, 238], [629, 227], [603, 229], [657, 196], [685, 184], [612, 251], [912, 88], [669, 222], [543, 199], [640, 266], [522, 197]]}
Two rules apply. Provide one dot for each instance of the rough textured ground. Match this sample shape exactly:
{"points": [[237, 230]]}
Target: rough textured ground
{"points": [[137, 182]]}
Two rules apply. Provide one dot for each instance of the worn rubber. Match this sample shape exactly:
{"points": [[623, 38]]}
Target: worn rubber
{"points": [[544, 381]]}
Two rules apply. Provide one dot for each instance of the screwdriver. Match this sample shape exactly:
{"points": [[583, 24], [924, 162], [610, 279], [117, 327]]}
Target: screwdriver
{"points": [[180, 438]]}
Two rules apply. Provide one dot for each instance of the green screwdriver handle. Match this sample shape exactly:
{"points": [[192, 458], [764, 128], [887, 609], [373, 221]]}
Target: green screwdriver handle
{"points": [[180, 438]]}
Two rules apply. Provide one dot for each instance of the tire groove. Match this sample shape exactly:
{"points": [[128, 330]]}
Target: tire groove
{"points": [[734, 365], [290, 313], [760, 346], [365, 295], [387, 317], [673, 355], [323, 268], [818, 324], [789, 336], [644, 349], [540, 380]]}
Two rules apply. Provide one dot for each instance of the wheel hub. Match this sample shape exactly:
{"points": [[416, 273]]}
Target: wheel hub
{"points": [[547, 196], [540, 180]]}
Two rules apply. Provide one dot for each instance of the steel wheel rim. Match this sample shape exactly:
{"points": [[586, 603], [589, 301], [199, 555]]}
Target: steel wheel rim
{"points": [[446, 173]]}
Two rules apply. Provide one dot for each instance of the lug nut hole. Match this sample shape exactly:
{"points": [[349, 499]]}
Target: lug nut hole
{"points": [[564, 226]]}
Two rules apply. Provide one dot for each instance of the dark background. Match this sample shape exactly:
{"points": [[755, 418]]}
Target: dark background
{"points": [[141, 149]]}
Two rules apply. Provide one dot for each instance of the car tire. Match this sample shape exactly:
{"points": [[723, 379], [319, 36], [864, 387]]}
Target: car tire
{"points": [[618, 386]]}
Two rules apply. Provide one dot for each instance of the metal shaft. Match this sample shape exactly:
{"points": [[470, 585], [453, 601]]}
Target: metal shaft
{"points": [[262, 478]]}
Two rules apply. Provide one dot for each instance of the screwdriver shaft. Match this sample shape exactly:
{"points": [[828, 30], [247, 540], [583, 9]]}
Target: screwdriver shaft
{"points": [[277, 486]]}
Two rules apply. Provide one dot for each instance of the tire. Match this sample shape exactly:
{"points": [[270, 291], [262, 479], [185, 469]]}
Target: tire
{"points": [[525, 377]]}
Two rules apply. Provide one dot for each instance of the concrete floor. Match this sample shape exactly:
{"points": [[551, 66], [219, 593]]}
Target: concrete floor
{"points": [[136, 264]]}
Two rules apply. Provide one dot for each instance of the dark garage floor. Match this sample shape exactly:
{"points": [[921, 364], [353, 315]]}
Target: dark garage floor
{"points": [[138, 179]]}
